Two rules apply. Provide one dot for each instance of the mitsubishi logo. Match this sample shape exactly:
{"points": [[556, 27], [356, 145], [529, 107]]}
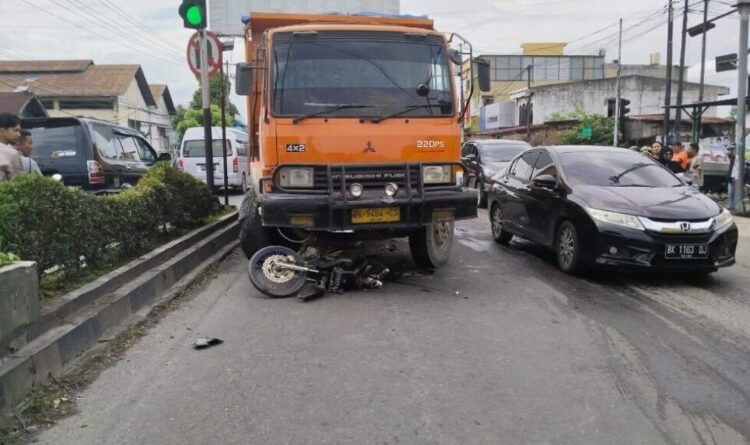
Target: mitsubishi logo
{"points": [[369, 148], [685, 227]]}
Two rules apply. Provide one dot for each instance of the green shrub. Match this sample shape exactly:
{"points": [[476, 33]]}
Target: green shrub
{"points": [[181, 198], [44, 221]]}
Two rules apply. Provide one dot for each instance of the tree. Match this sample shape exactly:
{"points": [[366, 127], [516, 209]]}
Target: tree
{"points": [[733, 113], [601, 128], [192, 116]]}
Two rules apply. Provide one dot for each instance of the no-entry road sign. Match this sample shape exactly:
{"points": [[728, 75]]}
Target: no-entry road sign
{"points": [[214, 53]]}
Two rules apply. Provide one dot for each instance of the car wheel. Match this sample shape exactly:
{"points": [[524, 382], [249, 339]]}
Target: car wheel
{"points": [[482, 198], [253, 236], [496, 222], [568, 248], [431, 246]]}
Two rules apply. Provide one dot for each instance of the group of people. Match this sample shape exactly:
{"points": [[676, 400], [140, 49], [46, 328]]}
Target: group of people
{"points": [[15, 149], [676, 157]]}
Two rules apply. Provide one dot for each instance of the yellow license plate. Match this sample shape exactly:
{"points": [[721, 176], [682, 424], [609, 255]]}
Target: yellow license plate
{"points": [[379, 215]]}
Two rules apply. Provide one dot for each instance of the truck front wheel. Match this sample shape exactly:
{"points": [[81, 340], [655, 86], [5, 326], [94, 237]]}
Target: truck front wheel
{"points": [[431, 245], [253, 236]]}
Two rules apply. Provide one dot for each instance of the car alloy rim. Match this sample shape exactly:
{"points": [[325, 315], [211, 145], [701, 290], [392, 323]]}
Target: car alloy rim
{"points": [[567, 246], [497, 225]]}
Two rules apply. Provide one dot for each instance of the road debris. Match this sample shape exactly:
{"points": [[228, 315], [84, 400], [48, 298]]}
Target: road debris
{"points": [[203, 342]]}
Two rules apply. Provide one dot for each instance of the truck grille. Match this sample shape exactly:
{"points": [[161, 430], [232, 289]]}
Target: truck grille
{"points": [[368, 176]]}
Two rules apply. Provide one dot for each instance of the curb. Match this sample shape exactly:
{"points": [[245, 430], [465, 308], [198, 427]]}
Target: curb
{"points": [[158, 276], [92, 292]]}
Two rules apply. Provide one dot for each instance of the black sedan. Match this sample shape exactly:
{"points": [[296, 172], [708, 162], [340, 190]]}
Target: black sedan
{"points": [[487, 157], [611, 207]]}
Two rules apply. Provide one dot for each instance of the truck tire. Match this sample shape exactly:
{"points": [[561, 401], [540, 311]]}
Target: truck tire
{"points": [[431, 245], [253, 236]]}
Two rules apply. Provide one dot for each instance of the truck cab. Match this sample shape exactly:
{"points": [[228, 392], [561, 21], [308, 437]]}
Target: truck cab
{"points": [[355, 128]]}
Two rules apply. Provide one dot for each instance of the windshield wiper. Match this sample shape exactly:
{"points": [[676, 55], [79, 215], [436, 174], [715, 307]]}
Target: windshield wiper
{"points": [[406, 109], [327, 110]]}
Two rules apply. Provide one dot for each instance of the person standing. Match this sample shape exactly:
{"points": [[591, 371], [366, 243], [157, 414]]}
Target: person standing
{"points": [[731, 175], [10, 159], [696, 164], [656, 151], [680, 156], [25, 146]]}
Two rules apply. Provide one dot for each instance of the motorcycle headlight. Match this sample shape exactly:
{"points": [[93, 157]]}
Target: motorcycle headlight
{"points": [[618, 219], [296, 177], [436, 174], [723, 221]]}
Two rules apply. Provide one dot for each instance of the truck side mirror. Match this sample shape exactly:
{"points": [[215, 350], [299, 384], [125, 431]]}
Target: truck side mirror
{"points": [[483, 74], [243, 81]]}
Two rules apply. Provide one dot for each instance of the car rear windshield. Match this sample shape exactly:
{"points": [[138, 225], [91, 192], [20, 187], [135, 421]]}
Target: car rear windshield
{"points": [[197, 149], [615, 169], [53, 140], [501, 152]]}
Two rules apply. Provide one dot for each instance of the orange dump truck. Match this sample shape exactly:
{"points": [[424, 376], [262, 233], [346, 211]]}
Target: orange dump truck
{"points": [[355, 128]]}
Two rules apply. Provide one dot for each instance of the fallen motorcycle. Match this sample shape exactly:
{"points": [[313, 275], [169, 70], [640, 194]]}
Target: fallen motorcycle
{"points": [[279, 271]]}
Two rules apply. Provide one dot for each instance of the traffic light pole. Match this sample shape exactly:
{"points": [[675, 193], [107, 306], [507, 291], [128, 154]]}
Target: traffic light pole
{"points": [[681, 80], [668, 93], [739, 163], [616, 128], [206, 103]]}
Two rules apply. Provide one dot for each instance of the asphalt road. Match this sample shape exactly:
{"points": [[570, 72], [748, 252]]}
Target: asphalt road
{"points": [[496, 348]]}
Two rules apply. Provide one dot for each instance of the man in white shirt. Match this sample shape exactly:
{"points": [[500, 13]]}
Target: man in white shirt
{"points": [[25, 146], [10, 158]]}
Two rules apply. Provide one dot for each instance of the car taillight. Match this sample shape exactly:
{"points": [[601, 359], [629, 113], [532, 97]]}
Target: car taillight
{"points": [[235, 165], [181, 165], [96, 175]]}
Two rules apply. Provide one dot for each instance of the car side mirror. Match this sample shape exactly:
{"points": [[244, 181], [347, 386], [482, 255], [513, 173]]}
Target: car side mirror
{"points": [[545, 182], [483, 74], [165, 157], [243, 81]]}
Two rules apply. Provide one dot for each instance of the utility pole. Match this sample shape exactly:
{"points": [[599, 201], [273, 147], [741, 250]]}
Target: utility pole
{"points": [[206, 103], [528, 103], [617, 88], [224, 132], [668, 93], [703, 51], [678, 118], [743, 7]]}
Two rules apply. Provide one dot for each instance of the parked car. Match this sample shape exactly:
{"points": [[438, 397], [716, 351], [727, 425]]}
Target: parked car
{"points": [[487, 157], [192, 158], [611, 207], [95, 155]]}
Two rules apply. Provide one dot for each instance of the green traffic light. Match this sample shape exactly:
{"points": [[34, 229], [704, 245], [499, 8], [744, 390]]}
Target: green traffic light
{"points": [[194, 15]]}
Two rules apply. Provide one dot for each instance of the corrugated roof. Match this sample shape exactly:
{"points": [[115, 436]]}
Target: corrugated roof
{"points": [[44, 66], [95, 80], [21, 103], [685, 119]]}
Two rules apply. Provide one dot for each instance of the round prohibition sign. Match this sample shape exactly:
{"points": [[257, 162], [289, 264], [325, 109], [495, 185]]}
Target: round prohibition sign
{"points": [[214, 55]]}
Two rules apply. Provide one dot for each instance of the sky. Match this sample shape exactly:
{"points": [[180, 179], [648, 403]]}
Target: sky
{"points": [[150, 32]]}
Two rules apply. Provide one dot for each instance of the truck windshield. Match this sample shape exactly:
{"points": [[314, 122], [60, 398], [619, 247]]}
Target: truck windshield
{"points": [[384, 73]]}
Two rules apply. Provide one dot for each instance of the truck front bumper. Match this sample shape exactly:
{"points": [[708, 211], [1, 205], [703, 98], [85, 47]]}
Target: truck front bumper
{"points": [[321, 213]]}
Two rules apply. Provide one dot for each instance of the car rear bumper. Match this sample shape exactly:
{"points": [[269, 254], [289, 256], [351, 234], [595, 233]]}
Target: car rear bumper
{"points": [[641, 249]]}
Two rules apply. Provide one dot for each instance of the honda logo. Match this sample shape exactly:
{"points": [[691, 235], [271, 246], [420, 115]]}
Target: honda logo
{"points": [[685, 227]]}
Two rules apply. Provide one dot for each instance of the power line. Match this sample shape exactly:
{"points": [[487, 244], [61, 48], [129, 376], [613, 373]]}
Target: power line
{"points": [[120, 12], [153, 47], [100, 36]]}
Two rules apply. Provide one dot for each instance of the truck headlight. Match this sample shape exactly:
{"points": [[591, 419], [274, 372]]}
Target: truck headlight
{"points": [[296, 177], [619, 219], [436, 174]]}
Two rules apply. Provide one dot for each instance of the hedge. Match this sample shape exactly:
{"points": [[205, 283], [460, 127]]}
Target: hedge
{"points": [[44, 221]]}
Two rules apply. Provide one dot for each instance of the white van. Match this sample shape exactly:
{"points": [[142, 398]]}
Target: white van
{"points": [[192, 156]]}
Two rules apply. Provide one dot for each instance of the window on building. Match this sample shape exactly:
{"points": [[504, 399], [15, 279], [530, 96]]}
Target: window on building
{"points": [[90, 104], [48, 104]]}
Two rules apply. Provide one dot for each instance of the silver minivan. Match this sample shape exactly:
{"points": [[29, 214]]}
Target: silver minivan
{"points": [[192, 156]]}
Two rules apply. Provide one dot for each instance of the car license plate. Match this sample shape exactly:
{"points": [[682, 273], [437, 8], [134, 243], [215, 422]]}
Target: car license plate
{"points": [[686, 251], [376, 215]]}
